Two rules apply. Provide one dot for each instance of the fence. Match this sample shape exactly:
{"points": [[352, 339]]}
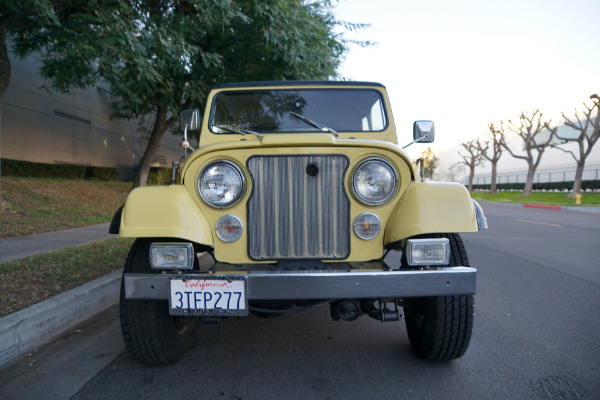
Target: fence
{"points": [[564, 175]]}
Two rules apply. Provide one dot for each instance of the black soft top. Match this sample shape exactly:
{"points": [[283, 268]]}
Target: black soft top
{"points": [[295, 83]]}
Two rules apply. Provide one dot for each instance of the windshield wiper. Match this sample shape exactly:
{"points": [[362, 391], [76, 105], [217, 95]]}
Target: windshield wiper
{"points": [[313, 123], [240, 132]]}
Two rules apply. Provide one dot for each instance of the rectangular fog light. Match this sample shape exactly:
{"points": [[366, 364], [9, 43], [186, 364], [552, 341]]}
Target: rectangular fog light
{"points": [[172, 256], [427, 252]]}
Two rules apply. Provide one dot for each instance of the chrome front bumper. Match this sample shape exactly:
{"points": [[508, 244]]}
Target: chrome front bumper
{"points": [[359, 284]]}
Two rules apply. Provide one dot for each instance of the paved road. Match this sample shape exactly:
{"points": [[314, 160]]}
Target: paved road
{"points": [[562, 240], [535, 336]]}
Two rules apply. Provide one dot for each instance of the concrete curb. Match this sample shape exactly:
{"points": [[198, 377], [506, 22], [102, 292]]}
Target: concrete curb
{"points": [[583, 209], [544, 206], [587, 209], [28, 329]]}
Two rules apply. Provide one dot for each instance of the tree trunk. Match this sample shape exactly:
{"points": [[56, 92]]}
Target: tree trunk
{"points": [[529, 183], [158, 130], [471, 176], [578, 176], [1, 196], [5, 73], [493, 187], [5, 70]]}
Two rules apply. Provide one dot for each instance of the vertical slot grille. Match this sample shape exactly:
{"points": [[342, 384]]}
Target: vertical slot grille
{"points": [[295, 215]]}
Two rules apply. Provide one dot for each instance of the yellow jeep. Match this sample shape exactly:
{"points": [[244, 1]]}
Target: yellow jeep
{"points": [[296, 195]]}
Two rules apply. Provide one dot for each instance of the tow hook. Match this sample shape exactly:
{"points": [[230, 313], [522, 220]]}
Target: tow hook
{"points": [[350, 309], [382, 313]]}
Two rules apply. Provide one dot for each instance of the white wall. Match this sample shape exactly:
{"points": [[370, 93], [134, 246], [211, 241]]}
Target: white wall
{"points": [[50, 127]]}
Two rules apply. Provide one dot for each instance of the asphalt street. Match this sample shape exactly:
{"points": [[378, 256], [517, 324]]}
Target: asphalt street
{"points": [[535, 336]]}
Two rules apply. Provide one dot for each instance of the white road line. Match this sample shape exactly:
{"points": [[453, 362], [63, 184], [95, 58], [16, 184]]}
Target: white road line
{"points": [[539, 223]]}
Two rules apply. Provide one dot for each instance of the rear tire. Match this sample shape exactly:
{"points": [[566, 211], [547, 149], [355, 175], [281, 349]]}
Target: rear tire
{"points": [[439, 328], [151, 335]]}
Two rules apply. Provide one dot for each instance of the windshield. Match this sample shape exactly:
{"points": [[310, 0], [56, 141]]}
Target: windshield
{"points": [[272, 111]]}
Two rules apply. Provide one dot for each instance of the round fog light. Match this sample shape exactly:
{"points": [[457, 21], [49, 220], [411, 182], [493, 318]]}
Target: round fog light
{"points": [[229, 228], [367, 226]]}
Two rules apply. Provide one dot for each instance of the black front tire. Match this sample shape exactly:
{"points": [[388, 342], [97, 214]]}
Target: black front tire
{"points": [[151, 335], [439, 328]]}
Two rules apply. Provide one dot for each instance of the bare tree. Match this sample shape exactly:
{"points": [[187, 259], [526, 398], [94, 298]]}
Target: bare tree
{"points": [[476, 150], [453, 171], [528, 128], [589, 133], [497, 135]]}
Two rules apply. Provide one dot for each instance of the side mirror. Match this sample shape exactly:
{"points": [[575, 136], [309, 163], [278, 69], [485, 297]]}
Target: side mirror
{"points": [[189, 118], [423, 131]]}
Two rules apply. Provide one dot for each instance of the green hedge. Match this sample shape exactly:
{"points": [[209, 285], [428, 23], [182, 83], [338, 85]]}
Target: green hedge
{"points": [[159, 176], [590, 185], [60, 171], [542, 186], [501, 186], [102, 174]]}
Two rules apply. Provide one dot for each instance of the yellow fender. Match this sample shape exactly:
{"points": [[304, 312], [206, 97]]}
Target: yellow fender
{"points": [[432, 207], [164, 211]]}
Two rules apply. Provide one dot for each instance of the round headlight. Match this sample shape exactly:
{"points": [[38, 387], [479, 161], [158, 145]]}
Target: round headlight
{"points": [[374, 181], [221, 184]]}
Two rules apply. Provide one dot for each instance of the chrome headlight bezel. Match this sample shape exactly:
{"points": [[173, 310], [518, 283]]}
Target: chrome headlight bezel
{"points": [[361, 196], [229, 199]]}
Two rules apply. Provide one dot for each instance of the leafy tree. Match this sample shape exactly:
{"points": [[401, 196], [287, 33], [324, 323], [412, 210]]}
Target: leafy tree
{"points": [[280, 40], [498, 135], [25, 14], [476, 152], [159, 56], [528, 128], [589, 133], [430, 162], [15, 15]]}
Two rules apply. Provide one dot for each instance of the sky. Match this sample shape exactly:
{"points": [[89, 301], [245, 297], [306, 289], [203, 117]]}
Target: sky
{"points": [[465, 64]]}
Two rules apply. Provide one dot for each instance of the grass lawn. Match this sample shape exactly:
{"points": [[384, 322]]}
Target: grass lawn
{"points": [[549, 198], [30, 280], [32, 205]]}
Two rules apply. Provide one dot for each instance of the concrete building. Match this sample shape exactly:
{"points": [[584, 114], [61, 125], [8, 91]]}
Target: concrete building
{"points": [[42, 125]]}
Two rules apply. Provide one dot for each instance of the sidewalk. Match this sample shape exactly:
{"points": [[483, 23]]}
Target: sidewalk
{"points": [[33, 327], [24, 246]]}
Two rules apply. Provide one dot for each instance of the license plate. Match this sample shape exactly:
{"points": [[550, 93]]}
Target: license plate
{"points": [[209, 296]]}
